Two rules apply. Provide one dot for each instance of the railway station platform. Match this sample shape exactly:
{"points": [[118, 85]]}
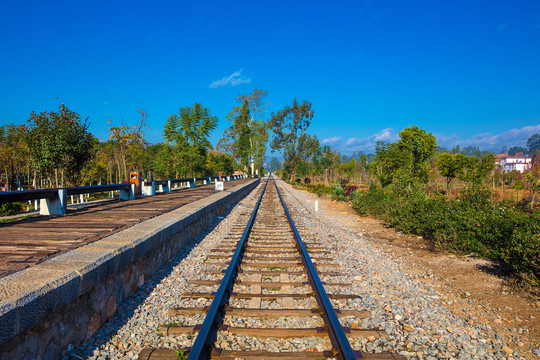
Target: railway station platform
{"points": [[64, 276]]}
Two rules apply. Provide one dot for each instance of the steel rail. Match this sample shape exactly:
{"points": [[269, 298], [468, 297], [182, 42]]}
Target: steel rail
{"points": [[209, 328], [335, 330]]}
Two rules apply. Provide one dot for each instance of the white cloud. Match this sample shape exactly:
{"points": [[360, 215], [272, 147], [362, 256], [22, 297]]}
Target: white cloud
{"points": [[485, 141], [492, 142], [331, 141], [233, 80], [367, 144]]}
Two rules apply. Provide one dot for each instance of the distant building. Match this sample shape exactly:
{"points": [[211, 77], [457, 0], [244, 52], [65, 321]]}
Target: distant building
{"points": [[510, 163]]}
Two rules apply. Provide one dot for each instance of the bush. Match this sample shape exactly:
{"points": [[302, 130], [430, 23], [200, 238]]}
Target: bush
{"points": [[338, 193], [347, 187], [469, 224], [10, 209]]}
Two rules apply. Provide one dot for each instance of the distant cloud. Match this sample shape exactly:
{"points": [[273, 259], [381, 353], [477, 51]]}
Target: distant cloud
{"points": [[367, 144], [233, 80], [331, 141], [491, 142], [485, 141], [501, 28]]}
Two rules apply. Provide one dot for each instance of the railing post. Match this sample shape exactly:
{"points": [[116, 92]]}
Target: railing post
{"points": [[148, 189], [128, 194], [54, 206]]}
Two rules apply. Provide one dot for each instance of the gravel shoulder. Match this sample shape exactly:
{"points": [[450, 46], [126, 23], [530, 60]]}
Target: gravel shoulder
{"points": [[470, 288]]}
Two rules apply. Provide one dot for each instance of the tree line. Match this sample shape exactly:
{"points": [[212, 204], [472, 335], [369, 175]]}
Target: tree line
{"points": [[56, 148], [414, 159]]}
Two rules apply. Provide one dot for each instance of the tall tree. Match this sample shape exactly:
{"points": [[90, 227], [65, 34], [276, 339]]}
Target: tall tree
{"points": [[59, 142], [533, 143], [288, 125], [247, 137], [421, 146], [188, 132], [274, 165], [129, 143], [13, 154]]}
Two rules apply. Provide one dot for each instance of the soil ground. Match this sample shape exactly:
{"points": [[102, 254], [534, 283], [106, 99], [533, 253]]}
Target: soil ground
{"points": [[473, 288]]}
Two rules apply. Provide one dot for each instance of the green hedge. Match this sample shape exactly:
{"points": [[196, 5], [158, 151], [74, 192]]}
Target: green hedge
{"points": [[470, 224]]}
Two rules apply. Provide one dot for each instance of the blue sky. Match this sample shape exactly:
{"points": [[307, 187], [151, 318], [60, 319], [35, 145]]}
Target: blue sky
{"points": [[467, 71]]}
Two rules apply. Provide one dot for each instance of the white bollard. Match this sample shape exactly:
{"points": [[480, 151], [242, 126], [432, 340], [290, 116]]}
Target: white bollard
{"points": [[219, 185], [317, 205]]}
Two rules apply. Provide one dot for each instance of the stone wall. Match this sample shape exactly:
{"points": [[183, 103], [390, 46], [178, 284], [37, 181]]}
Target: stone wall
{"points": [[65, 300]]}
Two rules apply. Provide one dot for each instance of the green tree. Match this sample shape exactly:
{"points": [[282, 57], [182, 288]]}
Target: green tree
{"points": [[13, 153], [391, 163], [531, 184], [533, 144], [302, 168], [237, 138], [162, 163], [476, 170], [421, 146], [288, 125], [219, 162], [450, 166], [188, 133], [129, 144], [247, 137], [517, 151], [275, 165], [307, 149], [59, 142]]}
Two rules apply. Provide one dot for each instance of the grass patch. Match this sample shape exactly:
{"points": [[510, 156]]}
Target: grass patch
{"points": [[275, 268]]}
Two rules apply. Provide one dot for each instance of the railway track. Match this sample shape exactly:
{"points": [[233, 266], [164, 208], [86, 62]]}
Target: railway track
{"points": [[267, 297]]}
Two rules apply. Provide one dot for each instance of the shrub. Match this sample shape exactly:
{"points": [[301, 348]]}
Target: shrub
{"points": [[469, 224], [10, 208], [338, 193]]}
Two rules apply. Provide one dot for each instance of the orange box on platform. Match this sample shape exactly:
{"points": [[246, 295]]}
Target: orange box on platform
{"points": [[135, 177]]}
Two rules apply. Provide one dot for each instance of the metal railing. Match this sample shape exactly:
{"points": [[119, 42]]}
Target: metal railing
{"points": [[54, 200]]}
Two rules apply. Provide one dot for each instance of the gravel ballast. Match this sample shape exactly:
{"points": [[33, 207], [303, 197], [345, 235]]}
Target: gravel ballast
{"points": [[412, 314]]}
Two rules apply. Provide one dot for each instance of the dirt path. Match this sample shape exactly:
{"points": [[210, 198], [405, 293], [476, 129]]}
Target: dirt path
{"points": [[471, 287]]}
